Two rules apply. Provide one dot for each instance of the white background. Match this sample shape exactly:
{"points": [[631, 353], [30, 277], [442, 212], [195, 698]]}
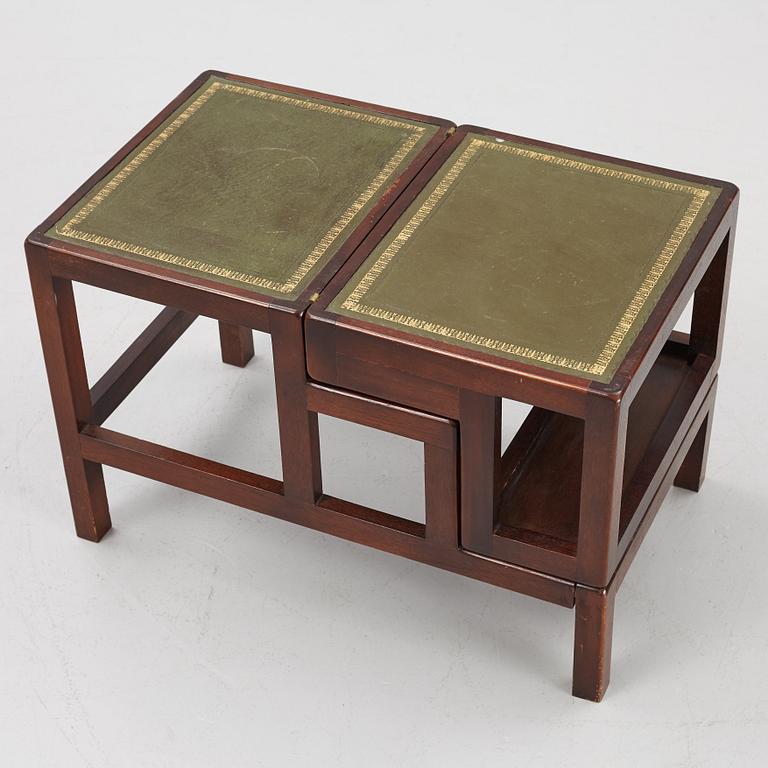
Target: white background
{"points": [[198, 634]]}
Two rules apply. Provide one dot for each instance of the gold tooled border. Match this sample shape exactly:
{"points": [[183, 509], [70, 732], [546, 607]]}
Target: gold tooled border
{"points": [[70, 228], [599, 366]]}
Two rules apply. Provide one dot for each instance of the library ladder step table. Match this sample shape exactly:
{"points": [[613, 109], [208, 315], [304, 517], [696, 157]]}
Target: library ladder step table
{"points": [[410, 276]]}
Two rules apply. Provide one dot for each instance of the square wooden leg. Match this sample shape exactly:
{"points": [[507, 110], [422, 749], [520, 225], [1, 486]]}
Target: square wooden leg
{"points": [[691, 473], [236, 344], [299, 431], [63, 353], [592, 642], [707, 325]]}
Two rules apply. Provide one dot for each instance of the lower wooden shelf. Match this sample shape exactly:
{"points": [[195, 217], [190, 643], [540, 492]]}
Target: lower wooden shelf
{"points": [[539, 503]]}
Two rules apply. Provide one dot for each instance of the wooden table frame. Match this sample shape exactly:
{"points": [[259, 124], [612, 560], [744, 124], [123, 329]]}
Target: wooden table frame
{"points": [[613, 512], [448, 399], [86, 445]]}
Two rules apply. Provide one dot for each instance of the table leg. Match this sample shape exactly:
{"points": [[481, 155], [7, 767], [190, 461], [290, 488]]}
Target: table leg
{"points": [[707, 325], [299, 431], [691, 473], [63, 354], [592, 642], [236, 344], [441, 494]]}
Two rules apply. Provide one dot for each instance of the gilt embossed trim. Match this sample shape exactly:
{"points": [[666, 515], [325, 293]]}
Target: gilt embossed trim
{"points": [[596, 367], [70, 227]]}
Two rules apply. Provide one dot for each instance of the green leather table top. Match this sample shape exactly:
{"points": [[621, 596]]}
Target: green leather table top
{"points": [[247, 185], [530, 254]]}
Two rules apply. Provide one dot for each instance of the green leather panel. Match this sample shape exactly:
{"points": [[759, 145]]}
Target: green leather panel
{"points": [[532, 255], [246, 185]]}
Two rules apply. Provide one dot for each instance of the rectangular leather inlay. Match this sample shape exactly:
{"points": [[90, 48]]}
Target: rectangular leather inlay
{"points": [[531, 254], [247, 185]]}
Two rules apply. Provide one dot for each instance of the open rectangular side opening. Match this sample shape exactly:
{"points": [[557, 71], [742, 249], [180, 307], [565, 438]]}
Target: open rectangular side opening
{"points": [[371, 472], [189, 399], [541, 480], [539, 501]]}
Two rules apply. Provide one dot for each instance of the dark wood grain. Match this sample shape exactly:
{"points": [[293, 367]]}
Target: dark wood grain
{"points": [[439, 436], [63, 354], [559, 516], [480, 430], [377, 414], [343, 519], [299, 435], [538, 513], [691, 473], [236, 344], [441, 494], [588, 468], [592, 642]]}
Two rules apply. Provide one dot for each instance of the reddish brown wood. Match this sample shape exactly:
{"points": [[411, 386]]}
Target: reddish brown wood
{"points": [[440, 455], [592, 642], [231, 305], [137, 361], [609, 451], [692, 470], [605, 430], [62, 350], [238, 310], [236, 344], [517, 452], [532, 507], [193, 473], [710, 302], [377, 414], [538, 512], [441, 494], [480, 430], [327, 364], [382, 520], [344, 519], [664, 406], [299, 435], [430, 372], [594, 607], [706, 339]]}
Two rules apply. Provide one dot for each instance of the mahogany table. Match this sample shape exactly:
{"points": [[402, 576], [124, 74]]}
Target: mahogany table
{"points": [[469, 265]]}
